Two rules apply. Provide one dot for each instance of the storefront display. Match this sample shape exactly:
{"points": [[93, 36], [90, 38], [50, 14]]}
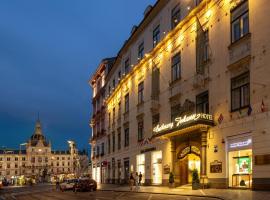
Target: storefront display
{"points": [[157, 167], [141, 166]]}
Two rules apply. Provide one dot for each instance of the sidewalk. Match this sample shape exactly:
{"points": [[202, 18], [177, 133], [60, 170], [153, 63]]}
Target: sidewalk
{"points": [[224, 194]]}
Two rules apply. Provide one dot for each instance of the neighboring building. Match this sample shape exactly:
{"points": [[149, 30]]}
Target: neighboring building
{"points": [[189, 90], [38, 160]]}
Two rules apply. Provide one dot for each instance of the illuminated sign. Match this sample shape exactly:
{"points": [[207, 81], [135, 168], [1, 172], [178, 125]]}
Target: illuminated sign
{"points": [[241, 144], [182, 121]]}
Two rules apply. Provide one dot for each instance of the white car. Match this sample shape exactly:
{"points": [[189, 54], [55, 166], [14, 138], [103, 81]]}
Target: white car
{"points": [[68, 185]]}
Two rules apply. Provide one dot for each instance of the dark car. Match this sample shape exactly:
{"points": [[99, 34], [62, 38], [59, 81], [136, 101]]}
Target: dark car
{"points": [[85, 184]]}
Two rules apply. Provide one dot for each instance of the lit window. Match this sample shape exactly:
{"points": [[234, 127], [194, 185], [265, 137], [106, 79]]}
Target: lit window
{"points": [[156, 35]]}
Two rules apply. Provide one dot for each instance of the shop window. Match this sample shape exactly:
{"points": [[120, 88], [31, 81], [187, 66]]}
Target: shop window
{"points": [[239, 21], [175, 16], [240, 92], [157, 167], [156, 35], [140, 160], [202, 103], [176, 67]]}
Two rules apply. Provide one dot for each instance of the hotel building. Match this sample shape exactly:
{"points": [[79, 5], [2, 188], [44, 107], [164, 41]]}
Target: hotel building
{"points": [[37, 160], [189, 89]]}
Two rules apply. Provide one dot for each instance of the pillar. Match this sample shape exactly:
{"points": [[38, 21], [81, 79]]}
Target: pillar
{"points": [[203, 156]]}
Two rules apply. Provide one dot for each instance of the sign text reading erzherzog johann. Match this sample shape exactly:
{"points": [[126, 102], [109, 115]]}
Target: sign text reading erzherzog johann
{"points": [[180, 121]]}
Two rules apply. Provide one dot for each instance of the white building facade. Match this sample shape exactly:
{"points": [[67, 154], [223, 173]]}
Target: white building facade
{"points": [[188, 90]]}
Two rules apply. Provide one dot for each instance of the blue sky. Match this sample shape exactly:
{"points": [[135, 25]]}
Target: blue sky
{"points": [[48, 51]]}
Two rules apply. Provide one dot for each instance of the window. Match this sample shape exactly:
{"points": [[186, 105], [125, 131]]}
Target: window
{"points": [[109, 89], [39, 159], [175, 110], [127, 66], [239, 21], [16, 158], [119, 109], [98, 151], [156, 36], [109, 144], [140, 93], [8, 165], [33, 160], [140, 51], [23, 158], [113, 115], [102, 149], [1, 158], [202, 103], [176, 67], [155, 120], [202, 50], [46, 159], [119, 75], [126, 137], [240, 94], [175, 16], [8, 158], [119, 139], [155, 83], [126, 102], [140, 130], [113, 83], [109, 118], [113, 142], [16, 165]]}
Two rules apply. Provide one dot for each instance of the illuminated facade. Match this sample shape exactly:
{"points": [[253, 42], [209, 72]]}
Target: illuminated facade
{"points": [[189, 90], [37, 160]]}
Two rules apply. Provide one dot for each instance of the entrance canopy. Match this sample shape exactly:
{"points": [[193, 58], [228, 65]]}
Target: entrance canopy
{"points": [[187, 123]]}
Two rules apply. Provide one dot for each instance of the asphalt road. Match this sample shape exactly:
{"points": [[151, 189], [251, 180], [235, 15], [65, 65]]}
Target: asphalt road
{"points": [[103, 195]]}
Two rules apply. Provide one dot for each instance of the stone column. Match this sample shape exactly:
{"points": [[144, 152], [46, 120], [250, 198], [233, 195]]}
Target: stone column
{"points": [[203, 156]]}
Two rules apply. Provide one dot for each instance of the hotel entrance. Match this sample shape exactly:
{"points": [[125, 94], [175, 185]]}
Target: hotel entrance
{"points": [[188, 162]]}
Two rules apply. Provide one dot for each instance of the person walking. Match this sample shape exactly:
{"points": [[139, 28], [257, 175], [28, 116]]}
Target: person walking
{"points": [[131, 181], [136, 182], [140, 179]]}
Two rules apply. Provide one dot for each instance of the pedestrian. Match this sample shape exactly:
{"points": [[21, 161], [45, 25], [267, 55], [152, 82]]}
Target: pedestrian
{"points": [[140, 179], [136, 181], [57, 185], [131, 181]]}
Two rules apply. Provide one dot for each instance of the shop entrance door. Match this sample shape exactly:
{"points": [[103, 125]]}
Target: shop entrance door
{"points": [[184, 171]]}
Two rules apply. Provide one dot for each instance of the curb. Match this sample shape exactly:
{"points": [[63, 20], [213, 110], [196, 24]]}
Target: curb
{"points": [[183, 195]]}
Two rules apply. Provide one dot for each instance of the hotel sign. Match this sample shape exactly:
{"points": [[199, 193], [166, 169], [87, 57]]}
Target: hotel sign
{"points": [[183, 122]]}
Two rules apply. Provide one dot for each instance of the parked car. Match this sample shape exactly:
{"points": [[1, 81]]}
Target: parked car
{"points": [[68, 185], [85, 184]]}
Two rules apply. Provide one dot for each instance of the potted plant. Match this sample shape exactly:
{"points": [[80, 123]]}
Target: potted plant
{"points": [[195, 180], [171, 179]]}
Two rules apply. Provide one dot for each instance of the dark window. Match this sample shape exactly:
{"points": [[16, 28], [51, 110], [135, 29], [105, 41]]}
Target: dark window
{"points": [[140, 51], [113, 141], [119, 76], [240, 92], [98, 151], [109, 144], [126, 137], [113, 83], [126, 102], [175, 110], [127, 66], [176, 16], [155, 83], [156, 35], [140, 92], [140, 130], [109, 89], [102, 149], [239, 21], [119, 110], [119, 139], [109, 116], [155, 120], [16, 158], [202, 50], [176, 67], [113, 115], [202, 103]]}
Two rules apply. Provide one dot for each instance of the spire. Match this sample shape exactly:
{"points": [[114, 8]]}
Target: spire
{"points": [[38, 130]]}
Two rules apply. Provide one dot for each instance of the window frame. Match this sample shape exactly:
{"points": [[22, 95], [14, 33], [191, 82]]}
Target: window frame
{"points": [[175, 15], [140, 125], [141, 50], [126, 131], [140, 92], [126, 102], [156, 35], [202, 104], [176, 65]]}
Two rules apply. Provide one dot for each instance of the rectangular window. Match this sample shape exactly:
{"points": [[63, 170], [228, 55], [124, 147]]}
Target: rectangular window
{"points": [[109, 118], [239, 21], [127, 66], [240, 92], [175, 16], [202, 103], [119, 139], [113, 141], [126, 137], [175, 111], [202, 50], [155, 83], [176, 67], [126, 102], [113, 115], [156, 35], [140, 92], [155, 120], [140, 51], [113, 83], [98, 151], [109, 144], [102, 149], [119, 109], [119, 75], [140, 131]]}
